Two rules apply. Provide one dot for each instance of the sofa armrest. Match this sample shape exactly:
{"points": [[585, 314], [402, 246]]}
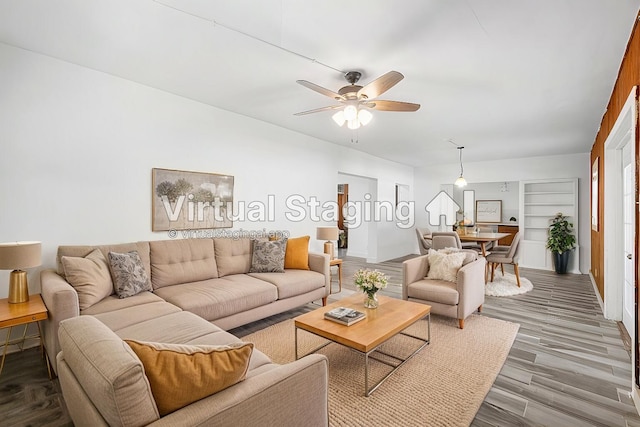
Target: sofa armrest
{"points": [[320, 263], [470, 285], [413, 269], [294, 394], [62, 303]]}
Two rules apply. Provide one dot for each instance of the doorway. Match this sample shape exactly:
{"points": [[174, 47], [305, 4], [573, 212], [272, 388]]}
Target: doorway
{"points": [[620, 299]]}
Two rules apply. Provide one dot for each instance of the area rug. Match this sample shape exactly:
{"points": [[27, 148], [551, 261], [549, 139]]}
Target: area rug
{"points": [[504, 286], [443, 385]]}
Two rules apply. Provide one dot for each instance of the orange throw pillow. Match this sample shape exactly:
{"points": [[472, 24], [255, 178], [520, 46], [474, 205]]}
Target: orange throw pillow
{"points": [[297, 253], [181, 374]]}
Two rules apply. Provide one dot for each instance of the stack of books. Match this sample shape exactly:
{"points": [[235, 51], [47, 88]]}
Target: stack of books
{"points": [[344, 315]]}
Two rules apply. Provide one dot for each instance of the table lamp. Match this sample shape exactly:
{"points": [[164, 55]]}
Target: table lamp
{"points": [[329, 234], [16, 256]]}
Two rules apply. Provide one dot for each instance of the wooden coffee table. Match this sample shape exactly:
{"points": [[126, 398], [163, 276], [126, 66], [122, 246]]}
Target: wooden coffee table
{"points": [[392, 317]]}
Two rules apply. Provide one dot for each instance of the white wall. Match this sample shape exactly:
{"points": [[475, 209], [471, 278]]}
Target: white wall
{"points": [[78, 146], [428, 181]]}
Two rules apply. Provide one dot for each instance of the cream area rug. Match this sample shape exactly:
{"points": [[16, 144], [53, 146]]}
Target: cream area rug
{"points": [[504, 286], [443, 385]]}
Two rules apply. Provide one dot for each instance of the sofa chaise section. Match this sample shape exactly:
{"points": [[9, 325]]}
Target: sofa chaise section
{"points": [[104, 383]]}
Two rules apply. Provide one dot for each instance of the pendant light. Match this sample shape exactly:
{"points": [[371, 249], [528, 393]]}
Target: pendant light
{"points": [[461, 182]]}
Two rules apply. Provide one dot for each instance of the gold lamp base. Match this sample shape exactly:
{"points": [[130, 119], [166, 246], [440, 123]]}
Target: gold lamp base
{"points": [[328, 249], [18, 288]]}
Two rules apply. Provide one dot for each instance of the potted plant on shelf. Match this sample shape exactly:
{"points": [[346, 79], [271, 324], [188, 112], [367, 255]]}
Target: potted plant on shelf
{"points": [[561, 241]]}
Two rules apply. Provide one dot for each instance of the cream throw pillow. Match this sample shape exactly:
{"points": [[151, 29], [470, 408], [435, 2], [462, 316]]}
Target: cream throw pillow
{"points": [[181, 374], [444, 266], [89, 276]]}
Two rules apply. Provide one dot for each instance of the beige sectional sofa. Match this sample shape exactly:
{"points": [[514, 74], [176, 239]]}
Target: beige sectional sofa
{"points": [[201, 287]]}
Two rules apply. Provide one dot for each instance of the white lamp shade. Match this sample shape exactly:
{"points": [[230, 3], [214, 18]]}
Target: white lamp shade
{"points": [[20, 255], [460, 182], [364, 117], [339, 118], [353, 124], [350, 112], [327, 233]]}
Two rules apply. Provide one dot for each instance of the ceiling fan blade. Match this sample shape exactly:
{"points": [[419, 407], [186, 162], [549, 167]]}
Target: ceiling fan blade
{"points": [[380, 85], [381, 105], [317, 110], [321, 90]]}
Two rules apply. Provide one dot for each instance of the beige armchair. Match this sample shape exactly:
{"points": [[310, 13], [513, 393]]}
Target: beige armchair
{"points": [[424, 240], [453, 299]]}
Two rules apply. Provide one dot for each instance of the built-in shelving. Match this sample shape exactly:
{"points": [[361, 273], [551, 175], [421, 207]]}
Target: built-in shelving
{"points": [[540, 201]]}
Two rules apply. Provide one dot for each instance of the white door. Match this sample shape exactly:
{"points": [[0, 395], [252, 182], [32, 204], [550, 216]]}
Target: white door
{"points": [[628, 198]]}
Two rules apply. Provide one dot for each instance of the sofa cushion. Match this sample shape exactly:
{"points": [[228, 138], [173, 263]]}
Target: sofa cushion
{"points": [[233, 256], [216, 298], [81, 251], [297, 254], [127, 316], [293, 282], [89, 276], [268, 256], [111, 374], [180, 261], [112, 303], [441, 291], [129, 275], [444, 266], [182, 374]]}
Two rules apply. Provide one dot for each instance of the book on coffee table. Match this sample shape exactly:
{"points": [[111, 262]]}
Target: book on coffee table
{"points": [[344, 315]]}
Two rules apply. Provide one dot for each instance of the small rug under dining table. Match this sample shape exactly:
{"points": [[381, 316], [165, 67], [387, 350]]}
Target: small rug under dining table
{"points": [[442, 385]]}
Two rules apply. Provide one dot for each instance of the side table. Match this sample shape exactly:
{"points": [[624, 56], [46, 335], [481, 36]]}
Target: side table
{"points": [[23, 313], [337, 262]]}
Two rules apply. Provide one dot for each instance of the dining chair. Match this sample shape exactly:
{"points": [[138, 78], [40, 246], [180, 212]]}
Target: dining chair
{"points": [[506, 257], [424, 240], [445, 239]]}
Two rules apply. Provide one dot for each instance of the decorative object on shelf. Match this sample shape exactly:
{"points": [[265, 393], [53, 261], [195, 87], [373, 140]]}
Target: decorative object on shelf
{"points": [[183, 200], [370, 282], [461, 182], [16, 256], [329, 234], [513, 219], [561, 241]]}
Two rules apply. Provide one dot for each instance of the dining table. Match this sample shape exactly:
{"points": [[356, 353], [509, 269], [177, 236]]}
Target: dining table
{"points": [[482, 238]]}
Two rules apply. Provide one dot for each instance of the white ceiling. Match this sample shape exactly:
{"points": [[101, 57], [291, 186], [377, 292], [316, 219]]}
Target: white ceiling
{"points": [[503, 78]]}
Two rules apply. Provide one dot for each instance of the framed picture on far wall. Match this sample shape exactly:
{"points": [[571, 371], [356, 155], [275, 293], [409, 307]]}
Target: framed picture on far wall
{"points": [[183, 200], [488, 211]]}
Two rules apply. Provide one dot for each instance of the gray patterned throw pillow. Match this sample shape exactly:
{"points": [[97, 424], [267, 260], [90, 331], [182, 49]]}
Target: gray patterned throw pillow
{"points": [[129, 276], [268, 257]]}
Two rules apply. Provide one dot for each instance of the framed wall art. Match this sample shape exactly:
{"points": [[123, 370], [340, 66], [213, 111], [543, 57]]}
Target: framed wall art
{"points": [[488, 211], [594, 194], [183, 200]]}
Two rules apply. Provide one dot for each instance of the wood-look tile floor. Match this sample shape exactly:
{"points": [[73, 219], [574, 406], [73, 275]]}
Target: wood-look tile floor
{"points": [[567, 367]]}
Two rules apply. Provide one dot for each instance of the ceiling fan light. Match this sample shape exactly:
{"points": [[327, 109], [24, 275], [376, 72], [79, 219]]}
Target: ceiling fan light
{"points": [[350, 112], [353, 124], [339, 118], [364, 117], [460, 182]]}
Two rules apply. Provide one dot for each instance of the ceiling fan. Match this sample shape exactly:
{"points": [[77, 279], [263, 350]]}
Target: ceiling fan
{"points": [[355, 100]]}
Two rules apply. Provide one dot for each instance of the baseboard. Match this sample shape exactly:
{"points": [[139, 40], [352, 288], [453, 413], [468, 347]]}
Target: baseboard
{"points": [[596, 291], [636, 399]]}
